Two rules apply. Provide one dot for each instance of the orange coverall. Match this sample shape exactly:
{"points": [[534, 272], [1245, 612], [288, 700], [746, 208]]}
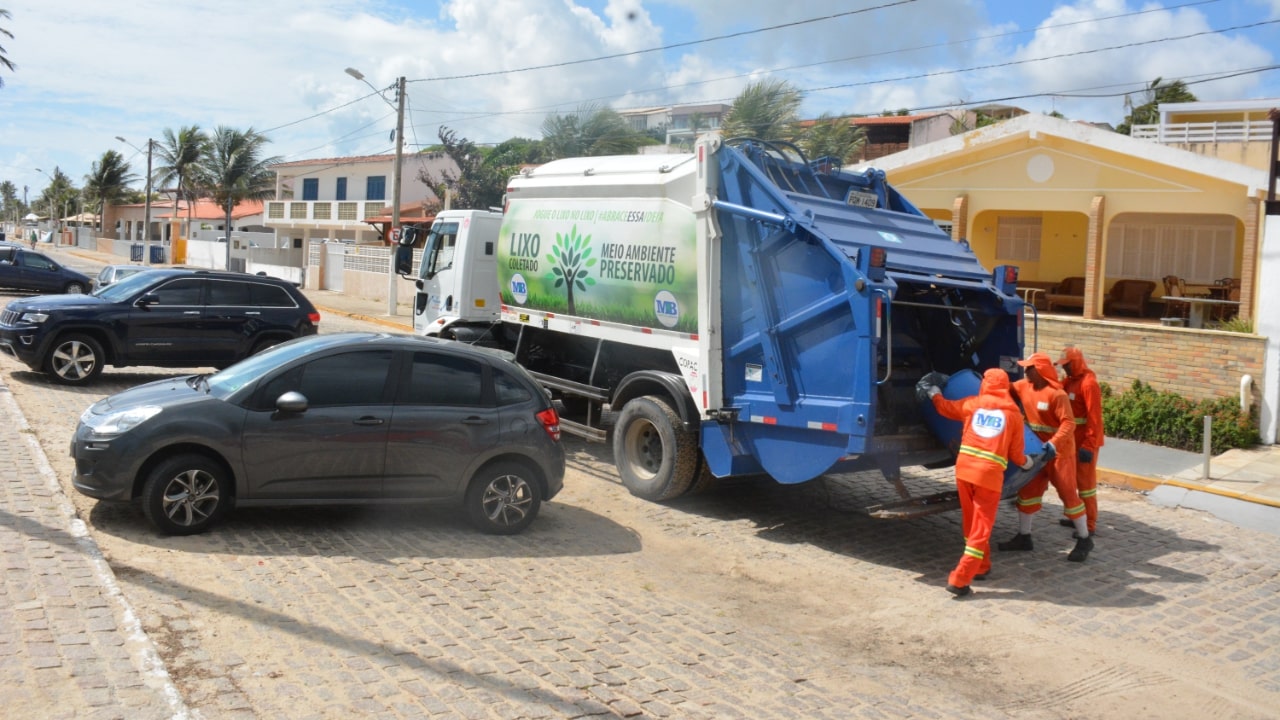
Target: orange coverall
{"points": [[992, 438], [1048, 412], [1081, 386]]}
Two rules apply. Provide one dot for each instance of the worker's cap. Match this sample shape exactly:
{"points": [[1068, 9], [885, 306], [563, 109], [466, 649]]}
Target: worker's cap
{"points": [[1035, 359]]}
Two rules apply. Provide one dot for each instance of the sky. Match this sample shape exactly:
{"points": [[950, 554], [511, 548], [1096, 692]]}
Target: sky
{"points": [[89, 71]]}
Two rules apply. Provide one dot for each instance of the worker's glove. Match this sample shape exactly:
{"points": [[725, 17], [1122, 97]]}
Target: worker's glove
{"points": [[1026, 464], [933, 390], [1085, 456], [1050, 452]]}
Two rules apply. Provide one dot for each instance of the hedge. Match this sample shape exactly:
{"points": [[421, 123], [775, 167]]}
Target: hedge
{"points": [[1168, 419]]}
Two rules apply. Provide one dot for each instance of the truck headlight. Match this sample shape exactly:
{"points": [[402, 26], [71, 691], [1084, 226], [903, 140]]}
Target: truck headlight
{"points": [[33, 318], [118, 422]]}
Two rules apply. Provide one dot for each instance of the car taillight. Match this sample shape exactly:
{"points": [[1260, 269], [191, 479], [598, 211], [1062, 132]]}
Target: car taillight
{"points": [[550, 420], [313, 317]]}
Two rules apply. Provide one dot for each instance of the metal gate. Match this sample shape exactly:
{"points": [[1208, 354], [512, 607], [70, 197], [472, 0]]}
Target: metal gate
{"points": [[334, 262]]}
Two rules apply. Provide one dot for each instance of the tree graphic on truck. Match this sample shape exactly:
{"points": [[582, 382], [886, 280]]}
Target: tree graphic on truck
{"points": [[570, 257]]}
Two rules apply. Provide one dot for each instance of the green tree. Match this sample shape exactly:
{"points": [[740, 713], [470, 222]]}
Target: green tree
{"points": [[482, 175], [591, 130], [766, 110], [178, 154], [107, 182], [234, 170], [4, 58], [10, 207], [1148, 113], [570, 257], [832, 137], [59, 196]]}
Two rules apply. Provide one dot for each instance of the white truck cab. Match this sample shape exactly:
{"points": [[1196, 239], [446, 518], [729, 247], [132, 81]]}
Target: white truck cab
{"points": [[458, 276]]}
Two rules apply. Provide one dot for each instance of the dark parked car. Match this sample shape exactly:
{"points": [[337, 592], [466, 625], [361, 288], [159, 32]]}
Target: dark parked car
{"points": [[164, 317], [353, 417], [22, 269], [115, 273]]}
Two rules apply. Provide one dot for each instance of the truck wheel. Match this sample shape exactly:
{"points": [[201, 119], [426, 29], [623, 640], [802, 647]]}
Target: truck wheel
{"points": [[502, 499], [656, 457], [186, 494], [74, 359]]}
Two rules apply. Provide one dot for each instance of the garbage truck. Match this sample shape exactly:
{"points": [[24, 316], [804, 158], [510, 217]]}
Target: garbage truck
{"points": [[733, 311]]}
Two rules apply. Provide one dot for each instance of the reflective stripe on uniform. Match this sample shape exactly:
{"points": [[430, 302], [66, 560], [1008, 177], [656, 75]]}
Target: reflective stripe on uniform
{"points": [[1088, 493], [974, 552], [1042, 428], [1027, 502], [1081, 421], [1077, 510], [985, 455]]}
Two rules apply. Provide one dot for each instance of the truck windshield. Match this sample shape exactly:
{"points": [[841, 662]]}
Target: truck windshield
{"points": [[438, 254]]}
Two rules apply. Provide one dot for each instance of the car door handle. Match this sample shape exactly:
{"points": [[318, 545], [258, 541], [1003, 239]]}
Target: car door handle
{"points": [[474, 420], [253, 312], [190, 312], [366, 420]]}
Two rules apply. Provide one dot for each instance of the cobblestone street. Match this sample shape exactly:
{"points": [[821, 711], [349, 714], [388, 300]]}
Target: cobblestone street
{"points": [[750, 600]]}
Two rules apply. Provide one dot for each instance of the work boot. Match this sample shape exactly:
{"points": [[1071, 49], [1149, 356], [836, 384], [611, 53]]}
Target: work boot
{"points": [[1066, 522], [1018, 542], [1081, 550], [959, 591]]}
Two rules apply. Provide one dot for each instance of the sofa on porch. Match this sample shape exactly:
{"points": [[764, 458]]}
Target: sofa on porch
{"points": [[1069, 294], [1129, 296]]}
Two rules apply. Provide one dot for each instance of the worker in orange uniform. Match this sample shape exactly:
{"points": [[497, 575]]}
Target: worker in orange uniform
{"points": [[992, 438], [1082, 389], [1048, 412]]}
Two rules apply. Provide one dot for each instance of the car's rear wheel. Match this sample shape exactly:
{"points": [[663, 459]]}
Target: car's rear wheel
{"points": [[503, 498], [74, 359], [186, 494], [73, 288], [265, 343]]}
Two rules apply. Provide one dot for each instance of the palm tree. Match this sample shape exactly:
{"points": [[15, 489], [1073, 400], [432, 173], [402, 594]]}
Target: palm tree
{"points": [[178, 154], [1156, 93], [107, 182], [766, 110], [4, 59], [234, 171], [833, 137], [591, 130]]}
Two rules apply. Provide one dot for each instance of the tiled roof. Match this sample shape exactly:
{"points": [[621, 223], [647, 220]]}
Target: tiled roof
{"points": [[353, 160], [210, 210]]}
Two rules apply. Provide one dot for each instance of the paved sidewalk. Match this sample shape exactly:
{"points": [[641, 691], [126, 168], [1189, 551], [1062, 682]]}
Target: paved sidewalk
{"points": [[70, 645]]}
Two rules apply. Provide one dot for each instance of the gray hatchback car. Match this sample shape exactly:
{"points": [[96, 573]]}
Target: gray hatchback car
{"points": [[340, 418]]}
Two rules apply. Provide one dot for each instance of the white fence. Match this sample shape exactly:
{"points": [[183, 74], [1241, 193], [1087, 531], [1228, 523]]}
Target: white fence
{"points": [[1206, 132]]}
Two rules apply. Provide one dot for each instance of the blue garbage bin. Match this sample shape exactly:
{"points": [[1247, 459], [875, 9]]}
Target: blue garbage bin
{"points": [[135, 253], [157, 254]]}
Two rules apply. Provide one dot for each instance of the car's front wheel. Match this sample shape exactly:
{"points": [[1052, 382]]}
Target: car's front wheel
{"points": [[186, 494], [75, 359], [503, 498], [74, 288]]}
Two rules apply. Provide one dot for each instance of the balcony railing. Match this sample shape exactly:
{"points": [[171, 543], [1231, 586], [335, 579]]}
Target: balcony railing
{"points": [[324, 211], [1205, 132]]}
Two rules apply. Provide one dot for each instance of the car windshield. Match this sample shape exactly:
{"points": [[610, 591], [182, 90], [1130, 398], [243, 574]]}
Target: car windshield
{"points": [[124, 289], [228, 381]]}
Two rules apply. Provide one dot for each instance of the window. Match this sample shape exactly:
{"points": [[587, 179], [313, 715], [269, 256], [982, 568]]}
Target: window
{"points": [[180, 292], [270, 296], [375, 188], [1018, 238], [508, 390], [355, 378], [310, 189], [340, 192], [225, 293], [1197, 249], [444, 380], [36, 262]]}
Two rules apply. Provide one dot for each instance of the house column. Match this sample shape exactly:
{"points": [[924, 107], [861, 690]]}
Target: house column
{"points": [[960, 218], [1249, 258], [1093, 260]]}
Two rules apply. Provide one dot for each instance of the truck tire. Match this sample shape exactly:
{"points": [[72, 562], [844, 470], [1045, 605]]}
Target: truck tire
{"points": [[656, 457], [74, 359]]}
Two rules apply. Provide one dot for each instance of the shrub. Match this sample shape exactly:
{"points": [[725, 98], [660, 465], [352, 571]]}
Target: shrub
{"points": [[1168, 419]]}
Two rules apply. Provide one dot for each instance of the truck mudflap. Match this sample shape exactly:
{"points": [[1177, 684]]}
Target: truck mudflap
{"points": [[805, 345]]}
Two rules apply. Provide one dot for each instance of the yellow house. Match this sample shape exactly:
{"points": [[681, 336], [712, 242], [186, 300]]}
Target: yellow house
{"points": [[1061, 199]]}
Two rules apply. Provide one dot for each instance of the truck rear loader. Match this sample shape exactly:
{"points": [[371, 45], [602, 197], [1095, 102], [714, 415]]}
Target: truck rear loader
{"points": [[733, 311]]}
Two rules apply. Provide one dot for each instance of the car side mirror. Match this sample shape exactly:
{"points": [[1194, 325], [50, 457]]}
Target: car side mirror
{"points": [[148, 299], [292, 402]]}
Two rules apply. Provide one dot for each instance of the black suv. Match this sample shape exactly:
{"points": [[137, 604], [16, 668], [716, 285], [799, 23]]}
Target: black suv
{"points": [[163, 317], [23, 269]]}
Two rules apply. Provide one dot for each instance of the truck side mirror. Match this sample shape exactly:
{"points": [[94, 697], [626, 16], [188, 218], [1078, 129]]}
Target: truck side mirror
{"points": [[404, 259], [408, 236]]}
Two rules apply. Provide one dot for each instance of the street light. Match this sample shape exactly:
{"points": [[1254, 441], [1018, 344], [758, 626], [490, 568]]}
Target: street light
{"points": [[146, 211], [395, 181]]}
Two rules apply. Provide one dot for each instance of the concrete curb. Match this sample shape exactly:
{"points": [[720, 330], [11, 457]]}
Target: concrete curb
{"points": [[1139, 483]]}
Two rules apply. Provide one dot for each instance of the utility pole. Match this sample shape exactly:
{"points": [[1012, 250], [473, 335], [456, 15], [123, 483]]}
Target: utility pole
{"points": [[146, 212], [392, 300]]}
